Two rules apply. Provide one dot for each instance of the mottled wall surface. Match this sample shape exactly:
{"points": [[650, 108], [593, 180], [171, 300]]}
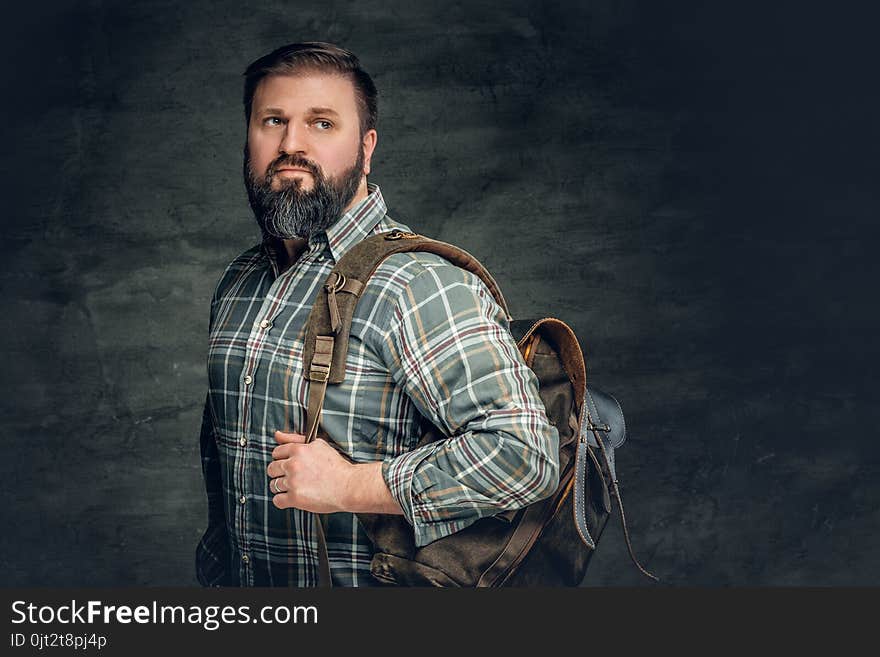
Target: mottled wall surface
{"points": [[691, 189]]}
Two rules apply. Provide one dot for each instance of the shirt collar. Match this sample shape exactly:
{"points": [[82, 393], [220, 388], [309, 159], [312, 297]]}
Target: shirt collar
{"points": [[356, 224], [351, 228]]}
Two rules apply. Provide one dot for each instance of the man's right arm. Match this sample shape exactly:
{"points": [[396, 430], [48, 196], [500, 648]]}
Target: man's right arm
{"points": [[213, 551]]}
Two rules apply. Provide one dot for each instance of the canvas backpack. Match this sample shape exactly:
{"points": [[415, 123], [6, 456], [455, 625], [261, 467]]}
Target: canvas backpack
{"points": [[548, 543]]}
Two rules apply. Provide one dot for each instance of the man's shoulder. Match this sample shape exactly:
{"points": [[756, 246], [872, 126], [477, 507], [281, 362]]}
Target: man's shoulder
{"points": [[249, 257], [413, 279], [404, 267], [251, 260]]}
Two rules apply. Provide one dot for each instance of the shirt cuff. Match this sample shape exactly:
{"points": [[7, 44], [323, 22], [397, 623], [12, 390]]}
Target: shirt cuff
{"points": [[411, 493]]}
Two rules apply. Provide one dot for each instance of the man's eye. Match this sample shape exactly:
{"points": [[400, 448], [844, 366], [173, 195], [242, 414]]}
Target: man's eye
{"points": [[272, 120], [323, 125]]}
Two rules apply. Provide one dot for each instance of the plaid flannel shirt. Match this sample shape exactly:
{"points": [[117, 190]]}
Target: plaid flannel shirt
{"points": [[428, 342]]}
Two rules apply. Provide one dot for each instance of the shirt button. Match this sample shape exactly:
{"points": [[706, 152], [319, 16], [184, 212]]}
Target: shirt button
{"points": [[245, 559], [248, 380], [265, 324], [242, 499], [320, 258], [242, 441]]}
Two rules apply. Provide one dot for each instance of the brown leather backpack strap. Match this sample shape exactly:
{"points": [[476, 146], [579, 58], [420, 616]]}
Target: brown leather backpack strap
{"points": [[319, 371], [318, 374], [325, 580]]}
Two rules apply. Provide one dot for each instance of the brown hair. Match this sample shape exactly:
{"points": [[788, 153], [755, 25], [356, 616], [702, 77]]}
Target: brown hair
{"points": [[315, 56]]}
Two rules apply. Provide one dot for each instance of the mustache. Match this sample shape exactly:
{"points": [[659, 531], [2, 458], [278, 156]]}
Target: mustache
{"points": [[297, 161]]}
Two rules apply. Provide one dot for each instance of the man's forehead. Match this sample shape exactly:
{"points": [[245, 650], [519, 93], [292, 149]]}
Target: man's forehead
{"points": [[311, 88]]}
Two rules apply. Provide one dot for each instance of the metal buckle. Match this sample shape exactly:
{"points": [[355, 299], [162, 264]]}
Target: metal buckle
{"points": [[592, 426], [336, 285], [400, 235]]}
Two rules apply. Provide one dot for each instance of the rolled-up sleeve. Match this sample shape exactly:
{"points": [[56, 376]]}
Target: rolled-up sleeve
{"points": [[449, 347]]}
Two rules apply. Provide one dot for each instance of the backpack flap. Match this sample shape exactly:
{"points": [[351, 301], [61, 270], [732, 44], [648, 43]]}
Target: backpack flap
{"points": [[602, 419]]}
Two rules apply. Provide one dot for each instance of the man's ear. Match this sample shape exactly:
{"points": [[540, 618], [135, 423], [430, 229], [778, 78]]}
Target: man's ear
{"points": [[368, 143]]}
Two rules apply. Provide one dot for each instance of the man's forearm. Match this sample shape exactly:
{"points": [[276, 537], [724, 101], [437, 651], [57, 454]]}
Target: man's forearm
{"points": [[367, 491]]}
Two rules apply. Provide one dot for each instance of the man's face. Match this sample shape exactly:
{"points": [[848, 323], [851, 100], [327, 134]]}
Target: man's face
{"points": [[305, 159]]}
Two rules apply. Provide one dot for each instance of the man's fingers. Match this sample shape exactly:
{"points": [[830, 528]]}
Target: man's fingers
{"points": [[286, 451], [283, 500], [278, 485], [284, 437], [277, 469]]}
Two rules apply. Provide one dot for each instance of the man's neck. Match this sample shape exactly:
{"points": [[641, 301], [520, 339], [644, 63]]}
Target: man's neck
{"points": [[293, 249]]}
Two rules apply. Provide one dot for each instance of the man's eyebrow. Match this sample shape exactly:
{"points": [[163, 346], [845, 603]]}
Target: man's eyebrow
{"points": [[322, 110], [311, 111]]}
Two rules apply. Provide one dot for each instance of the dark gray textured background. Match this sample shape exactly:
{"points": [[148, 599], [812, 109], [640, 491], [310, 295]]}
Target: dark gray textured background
{"points": [[693, 189]]}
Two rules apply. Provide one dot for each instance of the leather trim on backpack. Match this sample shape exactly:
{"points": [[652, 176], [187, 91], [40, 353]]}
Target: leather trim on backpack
{"points": [[566, 343]]}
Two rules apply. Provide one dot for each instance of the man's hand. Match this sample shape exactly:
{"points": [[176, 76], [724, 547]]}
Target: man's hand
{"points": [[315, 477], [312, 477]]}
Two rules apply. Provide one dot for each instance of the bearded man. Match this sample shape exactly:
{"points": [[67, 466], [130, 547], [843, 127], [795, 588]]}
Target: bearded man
{"points": [[428, 344]]}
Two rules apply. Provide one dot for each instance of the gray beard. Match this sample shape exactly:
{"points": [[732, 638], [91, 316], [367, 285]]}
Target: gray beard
{"points": [[293, 212]]}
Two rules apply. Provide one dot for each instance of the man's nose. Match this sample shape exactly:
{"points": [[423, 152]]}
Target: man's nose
{"points": [[293, 140]]}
